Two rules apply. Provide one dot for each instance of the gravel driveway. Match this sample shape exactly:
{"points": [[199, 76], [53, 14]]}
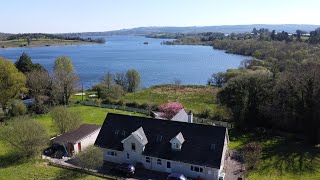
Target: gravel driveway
{"points": [[233, 166]]}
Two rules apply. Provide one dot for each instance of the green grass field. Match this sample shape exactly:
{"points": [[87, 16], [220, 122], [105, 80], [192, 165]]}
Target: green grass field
{"points": [[90, 115], [194, 98], [11, 167], [282, 158]]}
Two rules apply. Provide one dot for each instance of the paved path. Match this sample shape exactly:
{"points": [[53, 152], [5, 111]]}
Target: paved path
{"points": [[233, 166]]}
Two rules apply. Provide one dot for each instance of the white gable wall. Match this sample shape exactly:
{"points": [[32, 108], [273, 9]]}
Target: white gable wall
{"points": [[181, 116], [134, 155], [86, 141], [225, 149]]}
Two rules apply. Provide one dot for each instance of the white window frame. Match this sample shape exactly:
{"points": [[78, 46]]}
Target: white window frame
{"points": [[111, 153]]}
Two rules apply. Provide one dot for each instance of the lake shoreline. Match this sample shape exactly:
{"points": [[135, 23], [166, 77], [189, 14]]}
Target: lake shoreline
{"points": [[41, 43], [157, 64]]}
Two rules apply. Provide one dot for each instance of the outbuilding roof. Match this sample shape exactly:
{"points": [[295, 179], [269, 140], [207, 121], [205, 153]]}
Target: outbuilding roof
{"points": [[196, 149], [77, 134]]}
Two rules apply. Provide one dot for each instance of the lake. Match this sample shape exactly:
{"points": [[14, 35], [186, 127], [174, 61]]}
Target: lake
{"points": [[156, 63]]}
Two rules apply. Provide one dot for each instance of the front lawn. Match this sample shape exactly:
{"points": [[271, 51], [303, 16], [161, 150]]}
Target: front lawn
{"points": [[12, 167]]}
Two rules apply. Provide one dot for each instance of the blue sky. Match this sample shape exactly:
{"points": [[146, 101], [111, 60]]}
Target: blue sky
{"points": [[54, 16]]}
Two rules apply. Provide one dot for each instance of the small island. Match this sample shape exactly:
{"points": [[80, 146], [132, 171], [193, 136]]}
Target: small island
{"points": [[40, 39]]}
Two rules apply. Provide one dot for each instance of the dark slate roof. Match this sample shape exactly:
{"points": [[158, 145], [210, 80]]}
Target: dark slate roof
{"points": [[195, 150], [76, 135]]}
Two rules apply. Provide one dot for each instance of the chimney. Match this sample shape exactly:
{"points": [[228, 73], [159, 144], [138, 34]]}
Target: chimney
{"points": [[190, 117]]}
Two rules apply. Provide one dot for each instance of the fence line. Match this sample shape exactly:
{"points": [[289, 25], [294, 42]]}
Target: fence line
{"points": [[144, 111], [213, 122], [118, 107]]}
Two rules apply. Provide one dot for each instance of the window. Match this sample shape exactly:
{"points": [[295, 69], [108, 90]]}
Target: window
{"points": [[168, 164], [123, 133], [213, 147], [128, 156], [116, 132], [159, 161], [159, 138], [196, 169], [133, 146], [111, 153], [148, 159], [139, 136]]}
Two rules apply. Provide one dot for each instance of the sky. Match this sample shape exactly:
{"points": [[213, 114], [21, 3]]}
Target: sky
{"points": [[58, 16]]}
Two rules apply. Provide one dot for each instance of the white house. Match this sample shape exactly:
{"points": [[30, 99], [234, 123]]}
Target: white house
{"points": [[78, 139], [195, 150], [181, 116]]}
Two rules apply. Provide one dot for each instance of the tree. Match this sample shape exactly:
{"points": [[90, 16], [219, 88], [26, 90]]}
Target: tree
{"points": [[17, 108], [273, 35], [299, 33], [28, 40], [39, 84], [12, 82], [217, 79], [121, 80], [255, 31], [64, 119], [25, 135], [107, 80], [64, 81], [246, 96], [296, 100], [170, 109], [90, 158], [133, 79], [114, 92], [24, 63]]}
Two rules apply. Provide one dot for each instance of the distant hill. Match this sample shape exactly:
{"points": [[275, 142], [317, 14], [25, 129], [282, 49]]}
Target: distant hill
{"points": [[198, 29]]}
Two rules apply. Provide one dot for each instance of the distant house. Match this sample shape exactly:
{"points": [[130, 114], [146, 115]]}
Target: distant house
{"points": [[181, 116], [28, 102], [196, 150], [79, 139]]}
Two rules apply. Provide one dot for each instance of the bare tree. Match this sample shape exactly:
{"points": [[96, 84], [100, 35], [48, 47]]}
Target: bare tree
{"points": [[121, 80], [107, 80], [38, 82], [65, 82]]}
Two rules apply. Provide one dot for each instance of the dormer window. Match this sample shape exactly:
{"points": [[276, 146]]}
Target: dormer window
{"points": [[177, 141]]}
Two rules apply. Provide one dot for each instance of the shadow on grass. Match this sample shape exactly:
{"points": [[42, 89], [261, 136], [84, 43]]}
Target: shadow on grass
{"points": [[11, 159], [70, 174], [282, 155], [287, 156]]}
